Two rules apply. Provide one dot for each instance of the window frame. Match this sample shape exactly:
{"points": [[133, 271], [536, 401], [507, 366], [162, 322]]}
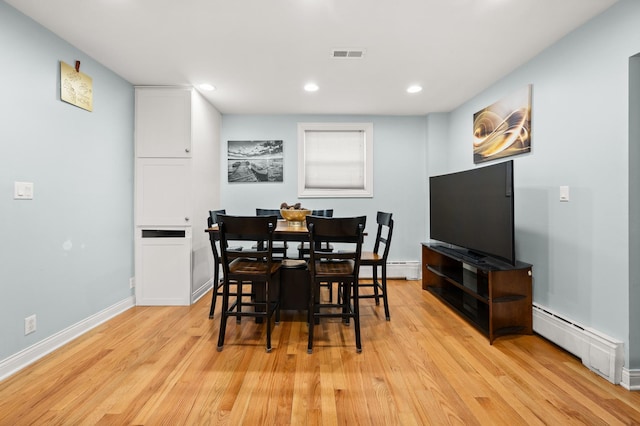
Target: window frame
{"points": [[367, 131]]}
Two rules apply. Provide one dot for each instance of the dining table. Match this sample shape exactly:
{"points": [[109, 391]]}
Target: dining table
{"points": [[294, 274]]}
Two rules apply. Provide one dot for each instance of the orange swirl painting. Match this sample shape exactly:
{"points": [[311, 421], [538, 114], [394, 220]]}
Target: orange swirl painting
{"points": [[504, 128]]}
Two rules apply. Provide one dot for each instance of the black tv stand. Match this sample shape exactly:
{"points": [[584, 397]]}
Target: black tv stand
{"points": [[493, 295]]}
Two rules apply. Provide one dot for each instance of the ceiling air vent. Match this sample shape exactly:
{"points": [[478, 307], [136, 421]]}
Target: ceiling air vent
{"points": [[347, 53]]}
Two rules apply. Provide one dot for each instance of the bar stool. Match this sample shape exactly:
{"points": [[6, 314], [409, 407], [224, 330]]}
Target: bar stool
{"points": [[217, 281], [303, 247], [279, 247], [340, 266], [254, 266], [377, 260]]}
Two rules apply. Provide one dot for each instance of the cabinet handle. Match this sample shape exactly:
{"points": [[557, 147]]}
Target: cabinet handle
{"points": [[186, 150], [186, 219]]}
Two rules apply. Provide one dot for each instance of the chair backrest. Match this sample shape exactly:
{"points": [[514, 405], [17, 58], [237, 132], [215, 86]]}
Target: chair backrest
{"points": [[323, 213], [269, 212], [213, 216], [385, 230], [246, 228], [347, 231]]}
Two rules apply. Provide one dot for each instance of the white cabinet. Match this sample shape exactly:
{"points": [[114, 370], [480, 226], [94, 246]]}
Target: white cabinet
{"points": [[163, 267], [177, 145], [163, 122], [163, 204], [163, 192]]}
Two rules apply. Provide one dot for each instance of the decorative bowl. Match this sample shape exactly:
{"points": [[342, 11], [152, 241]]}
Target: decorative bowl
{"points": [[295, 216]]}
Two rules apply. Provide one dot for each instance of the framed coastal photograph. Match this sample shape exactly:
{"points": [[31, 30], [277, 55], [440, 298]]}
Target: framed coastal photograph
{"points": [[254, 161], [504, 128]]}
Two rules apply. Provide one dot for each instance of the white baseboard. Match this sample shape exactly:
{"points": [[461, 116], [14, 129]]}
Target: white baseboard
{"points": [[20, 360], [201, 291], [602, 354], [630, 379], [408, 269]]}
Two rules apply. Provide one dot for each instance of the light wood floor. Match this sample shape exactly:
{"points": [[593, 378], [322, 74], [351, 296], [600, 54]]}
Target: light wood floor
{"points": [[159, 365]]}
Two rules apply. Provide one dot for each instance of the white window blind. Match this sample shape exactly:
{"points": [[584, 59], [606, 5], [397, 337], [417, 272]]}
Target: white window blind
{"points": [[335, 160]]}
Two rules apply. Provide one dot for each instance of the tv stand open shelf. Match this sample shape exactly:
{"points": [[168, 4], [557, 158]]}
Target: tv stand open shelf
{"points": [[492, 295]]}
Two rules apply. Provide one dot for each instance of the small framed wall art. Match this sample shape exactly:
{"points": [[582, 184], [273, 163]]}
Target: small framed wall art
{"points": [[76, 88]]}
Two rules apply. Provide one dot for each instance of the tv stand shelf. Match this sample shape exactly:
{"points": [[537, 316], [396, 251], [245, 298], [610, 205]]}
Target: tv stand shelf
{"points": [[492, 295]]}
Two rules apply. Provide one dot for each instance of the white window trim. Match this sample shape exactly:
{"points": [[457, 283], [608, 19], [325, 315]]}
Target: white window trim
{"points": [[366, 192]]}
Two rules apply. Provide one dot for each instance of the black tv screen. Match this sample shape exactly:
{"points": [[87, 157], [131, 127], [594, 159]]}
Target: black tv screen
{"points": [[474, 210]]}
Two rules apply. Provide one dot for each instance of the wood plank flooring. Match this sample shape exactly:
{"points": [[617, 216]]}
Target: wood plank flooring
{"points": [[159, 365]]}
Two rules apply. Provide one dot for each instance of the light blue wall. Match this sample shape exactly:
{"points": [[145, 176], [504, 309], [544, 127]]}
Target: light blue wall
{"points": [[68, 253], [399, 174], [580, 125], [437, 150]]}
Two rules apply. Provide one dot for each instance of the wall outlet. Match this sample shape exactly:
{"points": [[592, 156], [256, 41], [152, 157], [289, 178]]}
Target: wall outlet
{"points": [[132, 282], [29, 324]]}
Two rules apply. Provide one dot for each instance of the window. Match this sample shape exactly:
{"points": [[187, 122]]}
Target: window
{"points": [[335, 160]]}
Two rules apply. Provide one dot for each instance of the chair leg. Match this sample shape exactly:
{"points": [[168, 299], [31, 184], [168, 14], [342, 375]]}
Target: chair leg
{"points": [[356, 316], [345, 300], [279, 284], [223, 316], [376, 283], [384, 293], [312, 317], [214, 296], [268, 310], [239, 289]]}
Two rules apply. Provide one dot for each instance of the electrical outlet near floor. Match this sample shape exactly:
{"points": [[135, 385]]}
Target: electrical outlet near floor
{"points": [[132, 282], [29, 324]]}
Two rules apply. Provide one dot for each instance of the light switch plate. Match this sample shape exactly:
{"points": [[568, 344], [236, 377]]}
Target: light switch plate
{"points": [[564, 193], [23, 191]]}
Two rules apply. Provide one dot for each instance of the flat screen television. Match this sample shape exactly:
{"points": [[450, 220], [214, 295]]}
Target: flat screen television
{"points": [[474, 211]]}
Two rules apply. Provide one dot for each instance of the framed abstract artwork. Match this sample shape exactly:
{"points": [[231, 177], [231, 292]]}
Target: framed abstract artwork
{"points": [[503, 129]]}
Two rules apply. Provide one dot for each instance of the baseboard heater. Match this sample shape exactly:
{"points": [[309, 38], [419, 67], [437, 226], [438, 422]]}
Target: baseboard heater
{"points": [[405, 269], [598, 352]]}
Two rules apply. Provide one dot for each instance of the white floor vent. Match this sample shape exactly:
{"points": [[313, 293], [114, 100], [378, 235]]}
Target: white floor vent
{"points": [[407, 269], [601, 354]]}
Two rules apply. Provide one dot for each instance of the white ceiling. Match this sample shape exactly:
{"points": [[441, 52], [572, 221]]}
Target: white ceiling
{"points": [[260, 53]]}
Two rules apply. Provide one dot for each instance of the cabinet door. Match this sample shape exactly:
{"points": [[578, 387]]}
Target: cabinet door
{"points": [[163, 192], [163, 122], [163, 270]]}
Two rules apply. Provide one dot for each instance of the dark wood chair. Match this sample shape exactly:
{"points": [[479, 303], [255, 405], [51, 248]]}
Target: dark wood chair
{"points": [[217, 281], [378, 259], [339, 266], [254, 266], [303, 248], [279, 247]]}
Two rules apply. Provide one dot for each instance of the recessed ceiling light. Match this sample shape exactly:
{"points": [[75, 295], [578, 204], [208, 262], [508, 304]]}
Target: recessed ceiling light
{"points": [[311, 87], [207, 87], [414, 89]]}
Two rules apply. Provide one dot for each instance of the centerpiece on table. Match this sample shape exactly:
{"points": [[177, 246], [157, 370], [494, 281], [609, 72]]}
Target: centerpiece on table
{"points": [[294, 214]]}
